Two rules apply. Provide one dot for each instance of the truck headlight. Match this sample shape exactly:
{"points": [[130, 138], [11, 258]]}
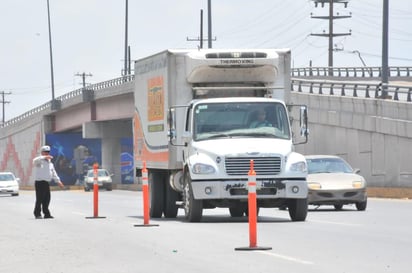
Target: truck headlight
{"points": [[200, 168], [314, 186], [298, 167]]}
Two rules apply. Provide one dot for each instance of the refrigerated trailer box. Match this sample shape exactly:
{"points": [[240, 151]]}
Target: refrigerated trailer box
{"points": [[202, 116]]}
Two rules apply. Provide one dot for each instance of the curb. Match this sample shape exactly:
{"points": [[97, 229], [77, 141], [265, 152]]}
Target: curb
{"points": [[384, 192]]}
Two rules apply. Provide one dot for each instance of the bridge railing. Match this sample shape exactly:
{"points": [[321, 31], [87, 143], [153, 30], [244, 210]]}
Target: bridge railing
{"points": [[68, 96], [364, 72], [354, 89]]}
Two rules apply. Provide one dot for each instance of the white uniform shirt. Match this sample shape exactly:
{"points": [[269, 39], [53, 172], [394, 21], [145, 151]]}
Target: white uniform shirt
{"points": [[44, 169]]}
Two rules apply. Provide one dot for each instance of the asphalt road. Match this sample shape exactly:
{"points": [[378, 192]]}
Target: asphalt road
{"points": [[376, 240]]}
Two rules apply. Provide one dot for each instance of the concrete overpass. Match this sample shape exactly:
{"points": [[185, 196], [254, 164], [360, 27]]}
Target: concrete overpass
{"points": [[103, 111], [347, 117]]}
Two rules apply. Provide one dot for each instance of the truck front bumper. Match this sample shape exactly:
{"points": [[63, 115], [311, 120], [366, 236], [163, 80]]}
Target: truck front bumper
{"points": [[296, 189]]}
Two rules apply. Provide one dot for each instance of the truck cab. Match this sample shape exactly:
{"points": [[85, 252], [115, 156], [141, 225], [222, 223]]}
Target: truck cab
{"points": [[221, 138]]}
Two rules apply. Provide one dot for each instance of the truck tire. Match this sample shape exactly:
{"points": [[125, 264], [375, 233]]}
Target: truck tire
{"points": [[237, 211], [193, 208], [298, 209], [171, 197], [157, 194]]}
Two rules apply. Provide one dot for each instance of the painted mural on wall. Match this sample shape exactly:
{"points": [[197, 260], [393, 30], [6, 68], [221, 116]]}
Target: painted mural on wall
{"points": [[73, 156], [126, 161]]}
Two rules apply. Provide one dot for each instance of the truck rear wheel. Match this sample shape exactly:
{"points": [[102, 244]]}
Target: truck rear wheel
{"points": [[193, 208], [157, 194], [298, 209], [171, 197]]}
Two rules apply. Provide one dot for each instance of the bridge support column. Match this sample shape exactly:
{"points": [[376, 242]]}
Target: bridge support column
{"points": [[111, 150], [110, 132]]}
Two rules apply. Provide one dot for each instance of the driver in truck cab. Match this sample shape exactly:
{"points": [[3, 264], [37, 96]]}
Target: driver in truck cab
{"points": [[260, 120]]}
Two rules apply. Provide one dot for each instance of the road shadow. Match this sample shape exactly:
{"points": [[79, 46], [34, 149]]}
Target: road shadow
{"points": [[219, 218], [331, 209]]}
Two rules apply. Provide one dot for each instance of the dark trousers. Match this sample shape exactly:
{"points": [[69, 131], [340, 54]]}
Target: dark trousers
{"points": [[42, 198]]}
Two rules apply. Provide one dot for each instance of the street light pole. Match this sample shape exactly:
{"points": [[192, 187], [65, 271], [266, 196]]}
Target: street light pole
{"points": [[126, 61], [209, 16], [360, 57], [51, 51], [385, 68], [54, 104]]}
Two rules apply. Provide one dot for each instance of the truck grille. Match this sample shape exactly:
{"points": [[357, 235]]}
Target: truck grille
{"points": [[262, 165]]}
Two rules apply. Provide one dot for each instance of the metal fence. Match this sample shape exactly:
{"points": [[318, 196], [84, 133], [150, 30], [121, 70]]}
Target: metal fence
{"points": [[364, 72], [354, 89]]}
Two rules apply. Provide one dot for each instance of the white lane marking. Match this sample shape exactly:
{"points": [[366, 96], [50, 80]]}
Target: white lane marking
{"points": [[287, 258], [336, 223], [79, 213]]}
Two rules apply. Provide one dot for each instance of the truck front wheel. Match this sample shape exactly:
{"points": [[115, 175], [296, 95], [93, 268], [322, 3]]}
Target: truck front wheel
{"points": [[193, 208], [171, 197], [298, 209], [157, 194]]}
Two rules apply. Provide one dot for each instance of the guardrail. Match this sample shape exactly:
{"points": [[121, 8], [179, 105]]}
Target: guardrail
{"points": [[75, 93], [354, 89], [364, 72]]}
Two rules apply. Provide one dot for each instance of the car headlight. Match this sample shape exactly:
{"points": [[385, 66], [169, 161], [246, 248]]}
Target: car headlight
{"points": [[299, 167], [200, 168], [314, 186], [357, 184]]}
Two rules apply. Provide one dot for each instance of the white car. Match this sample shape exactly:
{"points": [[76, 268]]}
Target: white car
{"points": [[332, 181], [9, 184], [104, 179]]}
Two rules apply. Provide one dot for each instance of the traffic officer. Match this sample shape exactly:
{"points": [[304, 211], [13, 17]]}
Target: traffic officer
{"points": [[44, 174]]}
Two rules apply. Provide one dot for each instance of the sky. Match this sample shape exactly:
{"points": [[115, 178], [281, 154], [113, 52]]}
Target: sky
{"points": [[88, 37]]}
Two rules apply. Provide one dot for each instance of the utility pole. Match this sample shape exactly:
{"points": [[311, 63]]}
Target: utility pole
{"points": [[126, 68], [201, 28], [331, 34], [209, 21], [84, 75], [3, 102], [385, 67], [201, 39]]}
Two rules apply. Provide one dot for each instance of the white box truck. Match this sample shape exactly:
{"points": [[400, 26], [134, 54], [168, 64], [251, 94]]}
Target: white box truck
{"points": [[202, 115]]}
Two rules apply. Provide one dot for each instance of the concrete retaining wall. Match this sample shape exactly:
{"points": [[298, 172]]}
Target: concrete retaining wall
{"points": [[371, 134]]}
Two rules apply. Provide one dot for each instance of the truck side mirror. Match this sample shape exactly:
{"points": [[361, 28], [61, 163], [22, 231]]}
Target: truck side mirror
{"points": [[172, 125], [303, 118]]}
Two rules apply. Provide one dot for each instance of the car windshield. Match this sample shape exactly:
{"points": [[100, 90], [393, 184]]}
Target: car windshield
{"points": [[328, 165], [251, 119], [6, 177], [100, 173]]}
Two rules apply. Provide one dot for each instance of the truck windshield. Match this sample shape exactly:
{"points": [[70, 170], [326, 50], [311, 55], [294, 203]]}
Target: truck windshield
{"points": [[228, 120]]}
